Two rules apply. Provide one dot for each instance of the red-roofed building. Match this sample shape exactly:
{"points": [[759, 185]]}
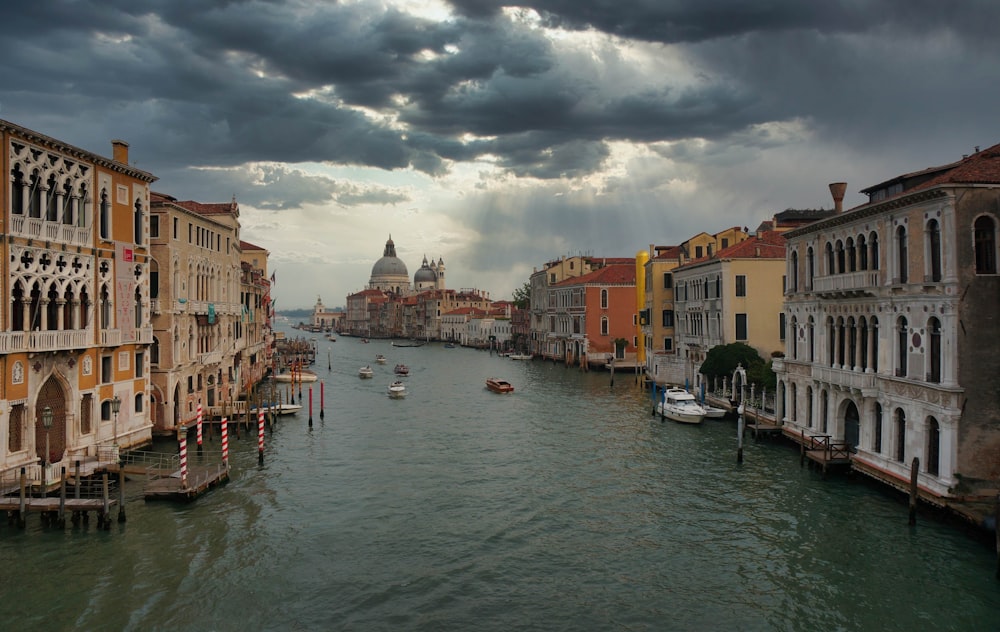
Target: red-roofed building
{"points": [[588, 313], [892, 311], [734, 295]]}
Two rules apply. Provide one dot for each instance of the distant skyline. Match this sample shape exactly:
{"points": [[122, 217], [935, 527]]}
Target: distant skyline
{"points": [[499, 137]]}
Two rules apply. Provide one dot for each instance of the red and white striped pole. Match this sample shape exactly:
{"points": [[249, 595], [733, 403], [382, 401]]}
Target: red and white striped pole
{"points": [[225, 442], [199, 424], [184, 457], [260, 436]]}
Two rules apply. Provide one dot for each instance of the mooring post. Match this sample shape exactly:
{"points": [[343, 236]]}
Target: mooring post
{"points": [[75, 517], [996, 529], [61, 518], [23, 505], [739, 434], [121, 494], [914, 471], [612, 373], [260, 436], [321, 400], [105, 520], [310, 407]]}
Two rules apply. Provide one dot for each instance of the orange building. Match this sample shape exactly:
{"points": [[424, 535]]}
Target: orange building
{"points": [[588, 313]]}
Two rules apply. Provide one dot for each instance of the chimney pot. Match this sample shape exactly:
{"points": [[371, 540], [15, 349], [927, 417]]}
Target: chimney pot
{"points": [[119, 149], [837, 190]]}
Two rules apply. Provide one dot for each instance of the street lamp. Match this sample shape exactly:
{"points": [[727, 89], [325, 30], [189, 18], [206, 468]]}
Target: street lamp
{"points": [[116, 405], [47, 423]]}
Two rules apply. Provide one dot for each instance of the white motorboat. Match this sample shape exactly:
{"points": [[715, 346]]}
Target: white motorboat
{"points": [[380, 359], [520, 356], [296, 376], [397, 389], [713, 412], [366, 372], [278, 409], [680, 406]]}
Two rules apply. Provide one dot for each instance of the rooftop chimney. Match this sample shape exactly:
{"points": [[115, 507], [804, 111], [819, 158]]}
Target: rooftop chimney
{"points": [[120, 151], [837, 190]]}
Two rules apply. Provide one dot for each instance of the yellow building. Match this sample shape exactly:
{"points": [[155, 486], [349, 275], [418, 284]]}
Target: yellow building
{"points": [[734, 296], [76, 326]]}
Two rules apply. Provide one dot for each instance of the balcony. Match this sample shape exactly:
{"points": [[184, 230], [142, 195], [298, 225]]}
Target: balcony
{"points": [[38, 228], [854, 380], [111, 337], [145, 335], [213, 357], [154, 305], [850, 284]]}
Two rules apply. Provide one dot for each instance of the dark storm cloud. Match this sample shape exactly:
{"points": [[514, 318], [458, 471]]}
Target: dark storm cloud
{"points": [[223, 83]]}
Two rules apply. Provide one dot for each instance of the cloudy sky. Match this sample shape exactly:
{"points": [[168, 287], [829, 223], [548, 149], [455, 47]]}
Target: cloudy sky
{"points": [[500, 136]]}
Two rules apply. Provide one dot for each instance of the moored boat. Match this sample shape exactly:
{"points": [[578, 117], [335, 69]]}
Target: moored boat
{"points": [[681, 406], [713, 412], [366, 372], [278, 409], [397, 389], [498, 385], [520, 356], [296, 376]]}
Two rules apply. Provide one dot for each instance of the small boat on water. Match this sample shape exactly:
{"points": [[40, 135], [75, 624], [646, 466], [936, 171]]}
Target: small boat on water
{"points": [[278, 409], [366, 372], [449, 345], [364, 340], [497, 385], [380, 359], [401, 369], [411, 343], [520, 356], [680, 406], [712, 412], [397, 389], [297, 376]]}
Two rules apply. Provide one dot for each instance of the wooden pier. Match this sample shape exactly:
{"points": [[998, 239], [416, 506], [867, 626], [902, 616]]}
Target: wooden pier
{"points": [[167, 485]]}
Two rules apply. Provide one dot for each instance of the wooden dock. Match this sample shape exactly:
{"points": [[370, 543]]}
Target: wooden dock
{"points": [[167, 485]]}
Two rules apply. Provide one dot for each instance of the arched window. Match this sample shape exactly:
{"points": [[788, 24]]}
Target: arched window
{"points": [[841, 262], [51, 202], [877, 430], [934, 370], [934, 248], [809, 406], [795, 271], [604, 299], [902, 257], [137, 222], [901, 347], [138, 307], [863, 342], [985, 238], [873, 248], [105, 308], [862, 253], [104, 221], [852, 256], [793, 404], [154, 352], [873, 332], [824, 406], [17, 190], [933, 446], [900, 435], [841, 342], [852, 343], [793, 335], [831, 264], [35, 196], [831, 341], [810, 268], [812, 340], [604, 325]]}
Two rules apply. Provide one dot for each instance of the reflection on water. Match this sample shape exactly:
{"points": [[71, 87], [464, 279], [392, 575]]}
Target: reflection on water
{"points": [[564, 505]]}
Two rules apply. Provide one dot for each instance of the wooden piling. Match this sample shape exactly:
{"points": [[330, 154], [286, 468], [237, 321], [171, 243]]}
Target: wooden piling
{"points": [[740, 424], [105, 520], [914, 472], [22, 506], [61, 518], [121, 494]]}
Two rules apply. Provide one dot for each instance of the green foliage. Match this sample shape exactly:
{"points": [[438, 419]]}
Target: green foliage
{"points": [[522, 296], [722, 360]]}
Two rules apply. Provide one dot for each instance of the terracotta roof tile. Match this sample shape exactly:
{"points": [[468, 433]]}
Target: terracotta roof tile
{"points": [[608, 275]]}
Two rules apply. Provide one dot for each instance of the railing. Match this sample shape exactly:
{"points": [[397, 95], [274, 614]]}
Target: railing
{"points": [[212, 357], [38, 228], [851, 281], [145, 335], [842, 377], [111, 337], [831, 449], [154, 305], [39, 341]]}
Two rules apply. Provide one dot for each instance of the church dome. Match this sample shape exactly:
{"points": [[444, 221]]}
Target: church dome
{"points": [[425, 274], [389, 265]]}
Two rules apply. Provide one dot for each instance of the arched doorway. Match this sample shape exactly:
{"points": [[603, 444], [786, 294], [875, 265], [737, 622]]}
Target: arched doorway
{"points": [[52, 396], [177, 405], [852, 426]]}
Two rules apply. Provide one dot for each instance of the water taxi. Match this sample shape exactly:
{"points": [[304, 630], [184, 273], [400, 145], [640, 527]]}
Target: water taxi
{"points": [[497, 385]]}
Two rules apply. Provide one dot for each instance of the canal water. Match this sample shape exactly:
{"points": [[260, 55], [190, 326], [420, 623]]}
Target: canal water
{"points": [[562, 506]]}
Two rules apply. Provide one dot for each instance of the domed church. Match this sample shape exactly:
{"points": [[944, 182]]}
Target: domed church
{"points": [[389, 274], [430, 276]]}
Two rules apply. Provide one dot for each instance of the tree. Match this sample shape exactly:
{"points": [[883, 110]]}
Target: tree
{"points": [[522, 296], [722, 360]]}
